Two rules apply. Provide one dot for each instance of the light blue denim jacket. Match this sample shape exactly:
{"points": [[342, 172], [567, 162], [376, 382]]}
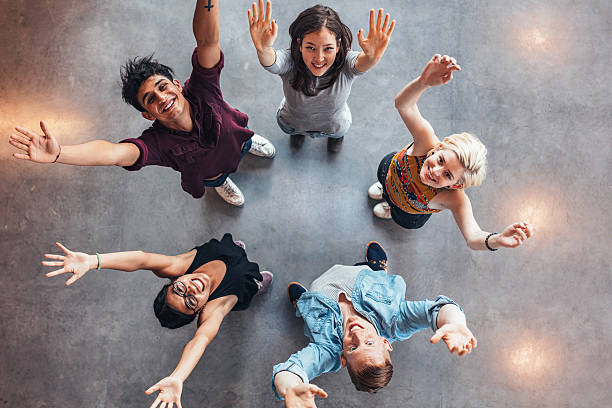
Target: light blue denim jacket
{"points": [[377, 296]]}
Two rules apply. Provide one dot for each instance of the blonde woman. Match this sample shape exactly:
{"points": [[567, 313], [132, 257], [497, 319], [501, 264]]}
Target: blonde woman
{"points": [[430, 175]]}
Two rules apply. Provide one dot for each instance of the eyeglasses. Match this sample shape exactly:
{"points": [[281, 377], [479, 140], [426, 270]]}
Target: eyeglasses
{"points": [[190, 300]]}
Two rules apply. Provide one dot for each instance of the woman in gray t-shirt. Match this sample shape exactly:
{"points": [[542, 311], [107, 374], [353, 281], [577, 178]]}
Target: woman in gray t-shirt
{"points": [[318, 69]]}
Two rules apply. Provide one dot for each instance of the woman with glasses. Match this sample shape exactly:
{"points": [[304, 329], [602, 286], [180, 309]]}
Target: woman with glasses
{"points": [[207, 282]]}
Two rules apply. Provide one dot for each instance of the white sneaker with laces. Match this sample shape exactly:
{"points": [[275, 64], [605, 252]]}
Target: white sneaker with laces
{"points": [[262, 147], [230, 192], [382, 210], [375, 191]]}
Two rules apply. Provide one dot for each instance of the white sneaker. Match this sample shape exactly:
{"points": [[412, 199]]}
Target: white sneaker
{"points": [[382, 210], [262, 147], [230, 193], [375, 191]]}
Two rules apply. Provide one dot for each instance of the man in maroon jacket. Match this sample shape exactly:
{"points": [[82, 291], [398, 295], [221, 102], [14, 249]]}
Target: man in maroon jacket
{"points": [[194, 130]]}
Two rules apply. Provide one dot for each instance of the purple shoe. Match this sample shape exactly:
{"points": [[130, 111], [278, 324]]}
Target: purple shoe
{"points": [[265, 283]]}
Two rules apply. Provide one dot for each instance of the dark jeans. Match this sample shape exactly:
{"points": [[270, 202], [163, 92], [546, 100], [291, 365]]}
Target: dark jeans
{"points": [[402, 218], [221, 179]]}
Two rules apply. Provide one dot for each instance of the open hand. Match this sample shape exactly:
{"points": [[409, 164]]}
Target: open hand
{"points": [[77, 263], [303, 395], [263, 29], [375, 44], [170, 390], [513, 235], [38, 148], [458, 338], [439, 70]]}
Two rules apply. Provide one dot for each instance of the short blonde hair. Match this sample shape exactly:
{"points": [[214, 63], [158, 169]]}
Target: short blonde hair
{"points": [[472, 155]]}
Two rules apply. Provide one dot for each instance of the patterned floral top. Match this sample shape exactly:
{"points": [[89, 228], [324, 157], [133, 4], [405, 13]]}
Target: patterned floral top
{"points": [[404, 186]]}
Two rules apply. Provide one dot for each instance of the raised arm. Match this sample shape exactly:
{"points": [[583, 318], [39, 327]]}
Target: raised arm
{"points": [[79, 263], [438, 71], [375, 44], [46, 149], [461, 207], [452, 328], [170, 388], [206, 32], [263, 32]]}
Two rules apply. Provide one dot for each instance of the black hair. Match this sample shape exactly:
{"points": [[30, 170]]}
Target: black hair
{"points": [[167, 316], [135, 72], [309, 21]]}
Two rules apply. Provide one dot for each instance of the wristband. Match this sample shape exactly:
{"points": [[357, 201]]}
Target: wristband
{"points": [[58, 155], [100, 262], [487, 241]]}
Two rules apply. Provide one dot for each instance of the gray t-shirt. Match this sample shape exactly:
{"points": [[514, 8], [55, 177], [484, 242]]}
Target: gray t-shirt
{"points": [[337, 279], [326, 112]]}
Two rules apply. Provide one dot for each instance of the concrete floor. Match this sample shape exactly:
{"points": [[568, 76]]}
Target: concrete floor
{"points": [[535, 87]]}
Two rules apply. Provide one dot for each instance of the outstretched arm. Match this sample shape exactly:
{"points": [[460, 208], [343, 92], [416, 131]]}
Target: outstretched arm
{"points": [[46, 149], [206, 32], [375, 44], [452, 328], [296, 394], [79, 263], [511, 237], [263, 32], [438, 71], [170, 388]]}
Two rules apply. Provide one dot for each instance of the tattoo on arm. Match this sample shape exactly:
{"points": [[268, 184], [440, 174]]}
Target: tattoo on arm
{"points": [[209, 6]]}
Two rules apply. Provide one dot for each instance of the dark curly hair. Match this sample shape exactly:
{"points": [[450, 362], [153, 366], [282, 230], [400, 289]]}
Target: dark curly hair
{"points": [[167, 316], [309, 21], [135, 72]]}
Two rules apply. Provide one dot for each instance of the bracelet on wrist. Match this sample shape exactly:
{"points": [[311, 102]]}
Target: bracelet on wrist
{"points": [[487, 241], [99, 261], [58, 154]]}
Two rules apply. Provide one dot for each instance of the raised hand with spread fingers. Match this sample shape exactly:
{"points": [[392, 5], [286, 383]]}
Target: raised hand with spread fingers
{"points": [[76, 263], [375, 44], [170, 390], [263, 32], [439, 70], [38, 148]]}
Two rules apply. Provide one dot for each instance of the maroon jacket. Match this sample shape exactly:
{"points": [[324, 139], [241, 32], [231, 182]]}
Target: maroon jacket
{"points": [[214, 145]]}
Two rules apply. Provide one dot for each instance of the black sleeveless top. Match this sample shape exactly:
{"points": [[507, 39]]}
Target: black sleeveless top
{"points": [[240, 274]]}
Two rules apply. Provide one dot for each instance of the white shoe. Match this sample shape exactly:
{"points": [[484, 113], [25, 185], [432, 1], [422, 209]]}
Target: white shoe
{"points": [[382, 210], [262, 147], [375, 191], [230, 193]]}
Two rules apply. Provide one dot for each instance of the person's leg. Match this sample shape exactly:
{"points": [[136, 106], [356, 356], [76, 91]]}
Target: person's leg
{"points": [[297, 139]]}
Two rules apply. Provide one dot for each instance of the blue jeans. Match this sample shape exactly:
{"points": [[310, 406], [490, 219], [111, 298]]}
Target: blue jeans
{"points": [[285, 127], [221, 179]]}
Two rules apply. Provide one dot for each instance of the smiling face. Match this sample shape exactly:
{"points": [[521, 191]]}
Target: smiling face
{"points": [[442, 169], [197, 285], [319, 50], [362, 345], [162, 98]]}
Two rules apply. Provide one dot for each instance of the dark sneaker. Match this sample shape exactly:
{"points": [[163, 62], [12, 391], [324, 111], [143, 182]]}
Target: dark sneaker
{"points": [[294, 291], [265, 283], [297, 140], [376, 256], [334, 144]]}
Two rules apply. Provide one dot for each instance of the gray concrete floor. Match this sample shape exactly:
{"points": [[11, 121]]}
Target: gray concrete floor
{"points": [[535, 87]]}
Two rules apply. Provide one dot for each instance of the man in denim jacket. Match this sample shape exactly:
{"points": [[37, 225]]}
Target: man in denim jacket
{"points": [[351, 315]]}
